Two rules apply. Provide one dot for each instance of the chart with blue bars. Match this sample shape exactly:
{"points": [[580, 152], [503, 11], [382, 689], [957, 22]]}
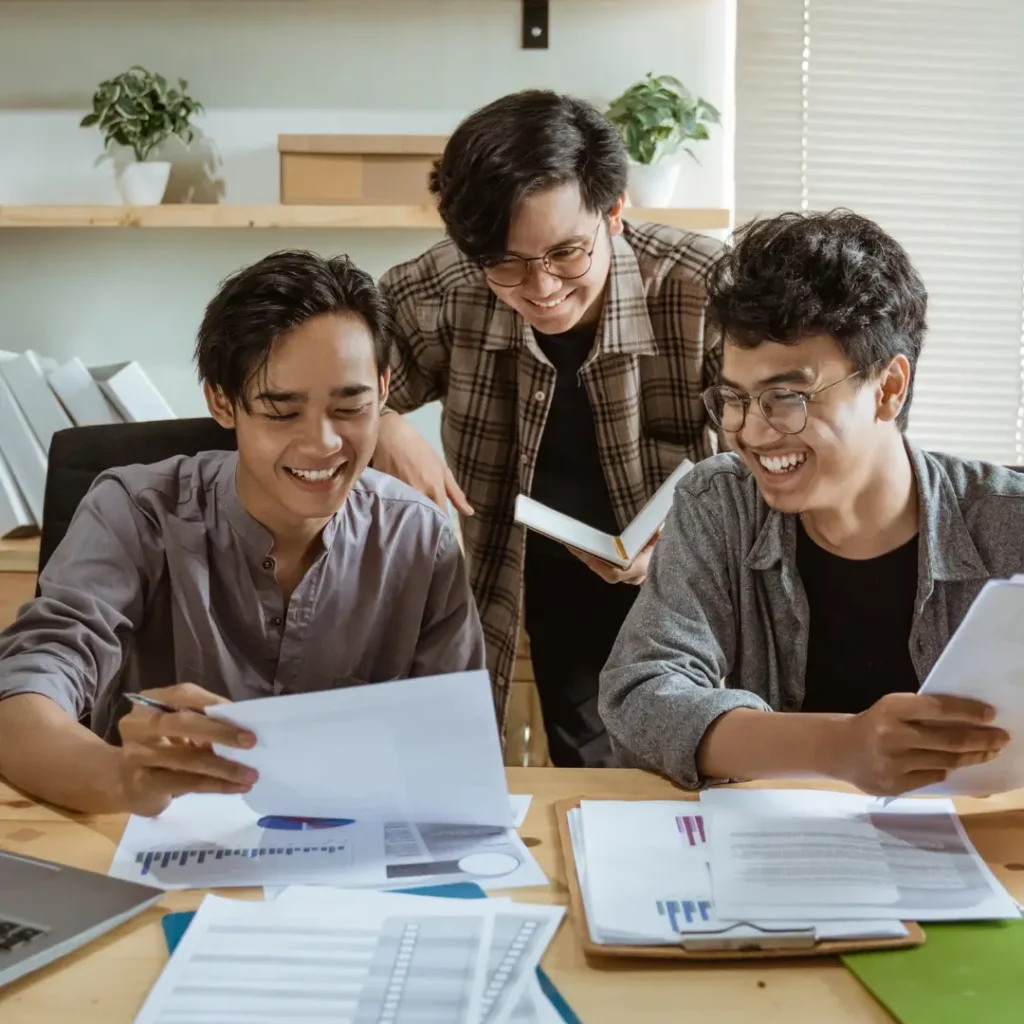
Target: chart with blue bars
{"points": [[684, 912]]}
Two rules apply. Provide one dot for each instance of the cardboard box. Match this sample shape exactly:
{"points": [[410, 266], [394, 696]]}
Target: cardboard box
{"points": [[373, 170]]}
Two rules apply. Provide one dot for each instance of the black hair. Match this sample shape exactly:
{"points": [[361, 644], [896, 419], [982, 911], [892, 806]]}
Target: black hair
{"points": [[258, 304], [838, 274], [514, 147]]}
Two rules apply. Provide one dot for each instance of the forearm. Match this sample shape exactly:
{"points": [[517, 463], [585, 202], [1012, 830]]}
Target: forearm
{"points": [[47, 754], [749, 744]]}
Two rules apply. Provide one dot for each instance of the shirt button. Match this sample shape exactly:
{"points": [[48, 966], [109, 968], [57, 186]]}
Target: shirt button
{"points": [[276, 620], [524, 459], [539, 396], [268, 564]]}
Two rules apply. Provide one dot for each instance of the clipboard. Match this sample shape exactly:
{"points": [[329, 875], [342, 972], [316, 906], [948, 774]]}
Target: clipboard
{"points": [[717, 945]]}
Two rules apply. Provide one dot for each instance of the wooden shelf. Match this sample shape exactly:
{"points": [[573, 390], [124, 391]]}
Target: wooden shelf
{"points": [[19, 555], [182, 215]]}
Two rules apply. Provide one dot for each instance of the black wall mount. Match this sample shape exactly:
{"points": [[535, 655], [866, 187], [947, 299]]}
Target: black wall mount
{"points": [[535, 24]]}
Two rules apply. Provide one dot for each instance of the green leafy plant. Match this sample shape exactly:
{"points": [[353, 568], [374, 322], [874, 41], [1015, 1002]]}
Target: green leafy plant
{"points": [[140, 110], [656, 116]]}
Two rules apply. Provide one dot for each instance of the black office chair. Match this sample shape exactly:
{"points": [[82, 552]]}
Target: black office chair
{"points": [[78, 455]]}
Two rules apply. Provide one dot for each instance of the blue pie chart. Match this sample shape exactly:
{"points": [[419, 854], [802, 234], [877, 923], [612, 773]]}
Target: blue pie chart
{"points": [[287, 824]]}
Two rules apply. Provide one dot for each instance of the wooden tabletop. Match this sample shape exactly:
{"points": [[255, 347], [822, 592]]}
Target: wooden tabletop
{"points": [[107, 981]]}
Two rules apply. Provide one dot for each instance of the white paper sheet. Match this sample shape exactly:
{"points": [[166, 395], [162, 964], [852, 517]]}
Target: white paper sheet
{"points": [[520, 807], [242, 961], [984, 660], [798, 863], [205, 841], [644, 872], [520, 935], [410, 750], [938, 874]]}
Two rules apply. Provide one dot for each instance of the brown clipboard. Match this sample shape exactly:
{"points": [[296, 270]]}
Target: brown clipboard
{"points": [[771, 947]]}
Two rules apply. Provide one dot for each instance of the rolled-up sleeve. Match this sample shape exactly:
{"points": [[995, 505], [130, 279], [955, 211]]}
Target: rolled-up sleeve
{"points": [[663, 683], [66, 644], [451, 638]]}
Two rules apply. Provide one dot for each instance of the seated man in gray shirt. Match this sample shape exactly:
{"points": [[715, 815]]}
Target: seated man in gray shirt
{"points": [[823, 565], [288, 566]]}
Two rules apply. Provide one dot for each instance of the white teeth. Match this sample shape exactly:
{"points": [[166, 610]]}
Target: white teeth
{"points": [[551, 304], [782, 463], [314, 475]]}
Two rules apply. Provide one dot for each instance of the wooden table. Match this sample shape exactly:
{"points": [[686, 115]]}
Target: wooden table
{"points": [[107, 981]]}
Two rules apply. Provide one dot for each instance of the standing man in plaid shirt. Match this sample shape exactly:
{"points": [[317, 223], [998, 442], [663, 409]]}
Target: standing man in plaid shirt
{"points": [[569, 350]]}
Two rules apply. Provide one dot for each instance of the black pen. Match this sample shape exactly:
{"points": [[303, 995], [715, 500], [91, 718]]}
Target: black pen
{"points": [[158, 705]]}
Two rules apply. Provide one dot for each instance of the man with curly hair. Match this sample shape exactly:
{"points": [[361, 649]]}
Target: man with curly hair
{"points": [[823, 565]]}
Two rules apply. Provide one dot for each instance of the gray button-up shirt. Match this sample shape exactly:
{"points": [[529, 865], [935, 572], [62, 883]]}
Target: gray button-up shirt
{"points": [[163, 577], [722, 619]]}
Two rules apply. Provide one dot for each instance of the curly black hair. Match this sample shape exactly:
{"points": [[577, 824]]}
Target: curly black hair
{"points": [[798, 275], [514, 147], [258, 304]]}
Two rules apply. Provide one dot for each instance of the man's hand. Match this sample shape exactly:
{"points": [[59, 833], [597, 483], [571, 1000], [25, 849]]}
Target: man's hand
{"points": [[403, 452], [908, 740], [635, 574], [165, 755]]}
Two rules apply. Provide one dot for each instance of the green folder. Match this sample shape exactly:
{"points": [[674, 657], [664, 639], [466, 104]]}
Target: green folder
{"points": [[971, 972]]}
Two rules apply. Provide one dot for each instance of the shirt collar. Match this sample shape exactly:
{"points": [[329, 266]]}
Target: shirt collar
{"points": [[948, 551], [256, 537], [625, 326]]}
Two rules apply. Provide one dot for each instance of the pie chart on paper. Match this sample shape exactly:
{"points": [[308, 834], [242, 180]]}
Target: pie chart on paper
{"points": [[287, 824]]}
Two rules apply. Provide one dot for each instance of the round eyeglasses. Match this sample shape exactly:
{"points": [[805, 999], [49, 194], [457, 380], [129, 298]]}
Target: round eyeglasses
{"points": [[566, 262], [784, 409]]}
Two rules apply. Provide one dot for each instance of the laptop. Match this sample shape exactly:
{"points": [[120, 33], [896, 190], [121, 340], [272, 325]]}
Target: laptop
{"points": [[47, 910]]}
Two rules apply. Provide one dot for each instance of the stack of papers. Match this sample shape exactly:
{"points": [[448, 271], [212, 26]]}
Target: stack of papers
{"points": [[383, 786], [768, 865], [343, 956]]}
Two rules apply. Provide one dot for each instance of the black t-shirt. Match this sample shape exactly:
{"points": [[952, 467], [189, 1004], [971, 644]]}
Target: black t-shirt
{"points": [[861, 616], [568, 476]]}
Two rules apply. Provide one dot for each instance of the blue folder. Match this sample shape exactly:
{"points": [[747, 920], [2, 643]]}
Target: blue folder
{"points": [[175, 925]]}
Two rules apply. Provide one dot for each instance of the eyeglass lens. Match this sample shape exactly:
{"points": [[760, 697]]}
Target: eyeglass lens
{"points": [[784, 410]]}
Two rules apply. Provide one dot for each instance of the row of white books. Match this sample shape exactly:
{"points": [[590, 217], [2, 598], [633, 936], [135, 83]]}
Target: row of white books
{"points": [[38, 397]]}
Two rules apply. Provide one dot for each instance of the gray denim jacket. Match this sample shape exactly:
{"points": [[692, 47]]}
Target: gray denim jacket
{"points": [[722, 620]]}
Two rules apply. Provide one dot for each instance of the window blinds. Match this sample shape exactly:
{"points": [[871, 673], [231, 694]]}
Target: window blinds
{"points": [[910, 112]]}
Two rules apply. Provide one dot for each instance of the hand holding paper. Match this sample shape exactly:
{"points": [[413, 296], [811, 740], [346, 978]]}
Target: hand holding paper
{"points": [[908, 740]]}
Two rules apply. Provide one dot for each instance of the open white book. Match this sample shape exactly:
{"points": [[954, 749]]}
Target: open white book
{"points": [[620, 550]]}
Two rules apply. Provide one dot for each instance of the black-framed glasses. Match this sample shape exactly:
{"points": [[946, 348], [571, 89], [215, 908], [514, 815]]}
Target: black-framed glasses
{"points": [[566, 262], [784, 409]]}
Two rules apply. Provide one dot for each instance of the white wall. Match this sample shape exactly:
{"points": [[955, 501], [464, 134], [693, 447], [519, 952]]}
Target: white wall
{"points": [[269, 66]]}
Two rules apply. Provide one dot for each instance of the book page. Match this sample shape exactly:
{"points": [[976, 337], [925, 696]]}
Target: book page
{"points": [[653, 514], [567, 530]]}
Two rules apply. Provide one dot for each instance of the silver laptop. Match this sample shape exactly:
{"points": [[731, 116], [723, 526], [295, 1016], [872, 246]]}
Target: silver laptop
{"points": [[47, 910]]}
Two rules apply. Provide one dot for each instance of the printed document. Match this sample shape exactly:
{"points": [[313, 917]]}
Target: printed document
{"points": [[352, 957], [378, 786], [645, 876], [773, 849], [209, 841]]}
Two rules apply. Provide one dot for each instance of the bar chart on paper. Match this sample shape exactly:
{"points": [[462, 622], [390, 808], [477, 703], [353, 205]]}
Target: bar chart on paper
{"points": [[692, 827], [162, 860], [685, 912]]}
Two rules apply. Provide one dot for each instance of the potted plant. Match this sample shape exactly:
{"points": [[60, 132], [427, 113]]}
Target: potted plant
{"points": [[656, 117], [139, 110]]}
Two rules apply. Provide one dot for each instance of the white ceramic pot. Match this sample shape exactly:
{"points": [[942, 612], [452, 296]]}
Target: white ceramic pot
{"points": [[652, 185], [143, 184]]}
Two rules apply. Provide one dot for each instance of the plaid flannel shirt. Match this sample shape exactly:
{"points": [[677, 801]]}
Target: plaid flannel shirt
{"points": [[457, 343]]}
